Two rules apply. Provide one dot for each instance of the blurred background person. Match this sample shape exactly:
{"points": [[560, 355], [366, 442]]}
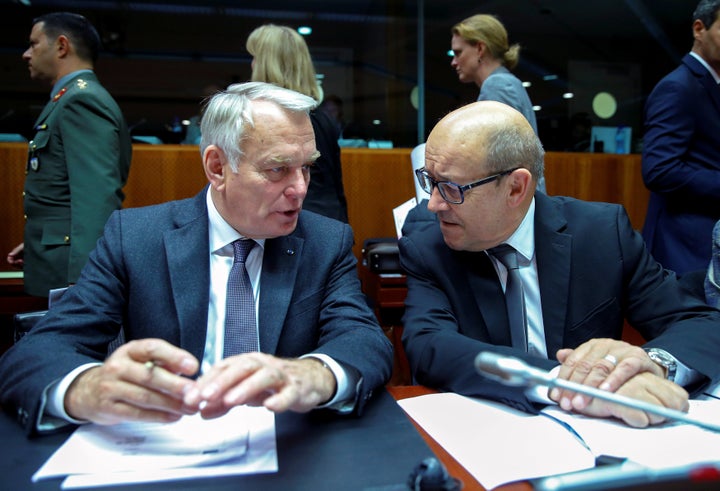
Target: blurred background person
{"points": [[681, 151], [79, 157], [482, 55], [192, 133], [281, 57]]}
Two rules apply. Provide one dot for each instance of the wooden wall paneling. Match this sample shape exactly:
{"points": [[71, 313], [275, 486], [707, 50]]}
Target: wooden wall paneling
{"points": [[375, 181], [13, 161]]}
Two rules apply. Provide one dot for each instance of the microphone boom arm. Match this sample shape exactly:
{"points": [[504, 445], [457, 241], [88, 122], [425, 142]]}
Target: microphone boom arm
{"points": [[513, 371]]}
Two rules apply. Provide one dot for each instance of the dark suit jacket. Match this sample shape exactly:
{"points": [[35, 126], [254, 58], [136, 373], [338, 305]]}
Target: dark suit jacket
{"points": [[150, 273], [594, 272], [681, 167], [326, 193], [78, 164]]}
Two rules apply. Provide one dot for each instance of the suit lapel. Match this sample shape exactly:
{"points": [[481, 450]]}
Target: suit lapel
{"points": [[705, 79], [188, 256], [553, 253], [281, 262]]}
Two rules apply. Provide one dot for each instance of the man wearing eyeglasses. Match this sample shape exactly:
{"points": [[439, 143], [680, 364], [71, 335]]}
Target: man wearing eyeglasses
{"points": [[578, 271]]}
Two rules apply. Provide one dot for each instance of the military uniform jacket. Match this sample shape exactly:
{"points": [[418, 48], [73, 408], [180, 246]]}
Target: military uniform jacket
{"points": [[78, 163]]}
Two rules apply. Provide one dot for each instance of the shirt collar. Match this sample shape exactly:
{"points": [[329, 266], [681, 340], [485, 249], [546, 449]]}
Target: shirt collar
{"points": [[221, 232], [708, 67], [523, 239], [64, 80]]}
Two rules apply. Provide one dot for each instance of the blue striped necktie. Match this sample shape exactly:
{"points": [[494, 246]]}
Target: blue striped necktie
{"points": [[240, 330]]}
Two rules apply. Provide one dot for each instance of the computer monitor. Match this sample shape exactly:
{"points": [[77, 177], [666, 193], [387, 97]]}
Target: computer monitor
{"points": [[611, 139]]}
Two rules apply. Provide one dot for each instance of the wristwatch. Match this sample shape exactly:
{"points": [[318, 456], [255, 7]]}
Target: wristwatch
{"points": [[665, 360]]}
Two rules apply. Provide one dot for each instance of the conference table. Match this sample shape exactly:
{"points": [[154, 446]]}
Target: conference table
{"points": [[316, 451]]}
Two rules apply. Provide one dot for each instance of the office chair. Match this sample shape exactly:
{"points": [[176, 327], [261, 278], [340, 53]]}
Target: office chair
{"points": [[24, 321]]}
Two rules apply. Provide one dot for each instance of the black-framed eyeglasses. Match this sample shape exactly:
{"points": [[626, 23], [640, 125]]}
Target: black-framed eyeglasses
{"points": [[452, 192]]}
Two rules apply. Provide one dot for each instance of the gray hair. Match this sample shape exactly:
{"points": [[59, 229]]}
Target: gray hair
{"points": [[510, 146], [227, 115]]}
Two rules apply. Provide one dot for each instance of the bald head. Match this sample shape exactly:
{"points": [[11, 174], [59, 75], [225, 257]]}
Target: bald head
{"points": [[489, 134], [490, 153]]}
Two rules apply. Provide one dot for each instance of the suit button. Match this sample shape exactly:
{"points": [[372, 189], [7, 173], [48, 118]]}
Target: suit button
{"points": [[22, 416], [66, 239], [25, 217]]}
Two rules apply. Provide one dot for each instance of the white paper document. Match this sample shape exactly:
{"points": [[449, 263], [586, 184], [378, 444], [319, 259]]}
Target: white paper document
{"points": [[649, 446], [400, 213], [241, 442], [498, 444], [495, 443]]}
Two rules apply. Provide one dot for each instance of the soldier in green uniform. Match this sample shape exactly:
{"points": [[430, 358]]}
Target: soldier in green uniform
{"points": [[79, 157]]}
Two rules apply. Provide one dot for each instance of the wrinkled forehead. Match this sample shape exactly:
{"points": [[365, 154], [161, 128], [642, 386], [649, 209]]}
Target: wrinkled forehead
{"points": [[453, 156]]}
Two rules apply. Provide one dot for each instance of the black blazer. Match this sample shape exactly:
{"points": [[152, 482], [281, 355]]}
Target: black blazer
{"points": [[594, 273], [326, 194]]}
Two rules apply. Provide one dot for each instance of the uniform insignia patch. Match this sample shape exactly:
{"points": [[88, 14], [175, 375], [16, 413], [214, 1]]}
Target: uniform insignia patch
{"points": [[59, 94]]}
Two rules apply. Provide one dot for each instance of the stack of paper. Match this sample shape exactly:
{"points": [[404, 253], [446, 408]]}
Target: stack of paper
{"points": [[498, 444], [241, 442]]}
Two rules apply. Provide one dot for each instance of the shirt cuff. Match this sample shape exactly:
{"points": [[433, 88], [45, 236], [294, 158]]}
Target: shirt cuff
{"points": [[344, 399], [52, 412]]}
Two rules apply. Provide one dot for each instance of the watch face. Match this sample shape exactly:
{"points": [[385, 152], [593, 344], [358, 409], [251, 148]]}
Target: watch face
{"points": [[664, 360], [661, 358]]}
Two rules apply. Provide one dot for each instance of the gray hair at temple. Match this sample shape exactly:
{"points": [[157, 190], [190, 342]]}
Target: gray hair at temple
{"points": [[707, 12], [227, 115], [511, 146]]}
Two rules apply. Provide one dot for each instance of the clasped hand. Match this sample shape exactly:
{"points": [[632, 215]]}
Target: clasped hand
{"points": [[147, 380], [616, 366]]}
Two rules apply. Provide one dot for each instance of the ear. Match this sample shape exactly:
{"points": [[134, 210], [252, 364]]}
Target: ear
{"points": [[214, 161], [698, 29], [520, 184], [480, 49], [63, 45]]}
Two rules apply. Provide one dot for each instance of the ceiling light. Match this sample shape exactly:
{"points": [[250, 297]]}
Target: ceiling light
{"points": [[568, 95], [305, 30]]}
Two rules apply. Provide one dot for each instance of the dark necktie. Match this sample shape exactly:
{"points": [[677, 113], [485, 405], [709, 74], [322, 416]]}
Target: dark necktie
{"points": [[240, 330], [514, 296]]}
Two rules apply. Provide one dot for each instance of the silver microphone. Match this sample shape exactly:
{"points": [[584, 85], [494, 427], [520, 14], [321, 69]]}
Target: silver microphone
{"points": [[513, 371]]}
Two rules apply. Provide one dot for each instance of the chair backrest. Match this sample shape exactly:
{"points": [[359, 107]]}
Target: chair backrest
{"points": [[417, 158], [23, 322]]}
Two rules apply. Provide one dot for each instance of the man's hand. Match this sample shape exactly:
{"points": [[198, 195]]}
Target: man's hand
{"points": [[143, 380], [259, 379], [644, 387], [15, 258], [616, 366]]}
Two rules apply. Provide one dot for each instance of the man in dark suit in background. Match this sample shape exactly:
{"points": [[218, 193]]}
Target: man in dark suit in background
{"points": [[160, 273], [78, 160], [582, 267], [681, 151]]}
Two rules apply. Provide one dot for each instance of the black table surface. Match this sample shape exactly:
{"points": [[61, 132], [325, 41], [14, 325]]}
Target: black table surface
{"points": [[316, 451]]}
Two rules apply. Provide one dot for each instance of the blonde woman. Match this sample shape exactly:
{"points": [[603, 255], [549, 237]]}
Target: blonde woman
{"points": [[281, 57], [482, 55]]}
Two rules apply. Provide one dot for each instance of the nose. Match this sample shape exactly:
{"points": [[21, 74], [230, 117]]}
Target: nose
{"points": [[26, 54], [436, 202], [298, 183]]}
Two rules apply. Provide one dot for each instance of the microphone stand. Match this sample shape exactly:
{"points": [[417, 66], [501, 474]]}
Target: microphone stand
{"points": [[513, 371]]}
